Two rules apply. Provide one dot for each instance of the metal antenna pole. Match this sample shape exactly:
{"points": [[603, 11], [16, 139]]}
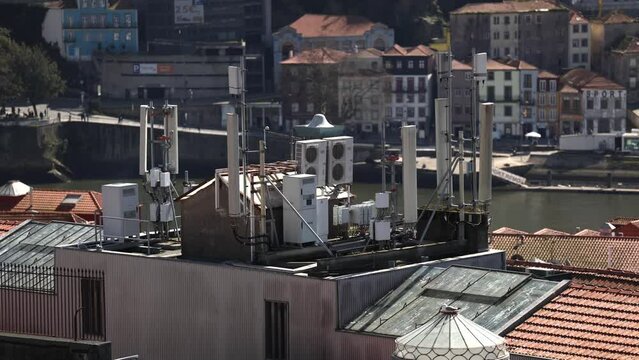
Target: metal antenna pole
{"points": [[152, 120], [383, 155], [244, 130], [449, 126], [473, 123]]}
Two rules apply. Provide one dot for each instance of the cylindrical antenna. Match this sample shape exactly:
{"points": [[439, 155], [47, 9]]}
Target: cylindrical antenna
{"points": [[486, 113], [233, 167]]}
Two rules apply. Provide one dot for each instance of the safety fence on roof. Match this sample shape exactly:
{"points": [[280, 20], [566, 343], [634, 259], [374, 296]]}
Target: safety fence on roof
{"points": [[50, 301]]}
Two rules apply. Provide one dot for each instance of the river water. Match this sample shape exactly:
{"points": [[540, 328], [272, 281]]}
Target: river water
{"points": [[528, 211]]}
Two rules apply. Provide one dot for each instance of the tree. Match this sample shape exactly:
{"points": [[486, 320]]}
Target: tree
{"points": [[27, 72], [39, 77]]}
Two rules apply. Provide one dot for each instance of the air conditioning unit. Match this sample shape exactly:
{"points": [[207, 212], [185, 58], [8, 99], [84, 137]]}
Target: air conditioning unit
{"points": [[340, 160], [311, 159]]}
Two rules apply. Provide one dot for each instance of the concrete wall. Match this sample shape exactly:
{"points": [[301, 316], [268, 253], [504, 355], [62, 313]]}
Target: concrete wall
{"points": [[18, 347], [581, 142]]}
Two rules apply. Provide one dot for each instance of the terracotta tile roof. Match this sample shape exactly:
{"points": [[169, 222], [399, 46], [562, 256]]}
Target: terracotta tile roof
{"points": [[317, 25], [577, 18], [622, 220], [549, 231], [366, 53], [547, 75], [508, 7], [584, 79], [588, 232], [496, 65], [617, 17], [458, 65], [507, 230], [419, 50], [519, 64], [594, 252], [45, 217], [568, 89], [583, 322], [316, 56], [8, 225], [629, 45], [51, 200]]}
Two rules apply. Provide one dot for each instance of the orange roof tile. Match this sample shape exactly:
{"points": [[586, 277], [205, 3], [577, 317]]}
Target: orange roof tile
{"points": [[617, 17], [8, 225], [577, 18], [495, 65], [316, 56], [51, 200], [518, 64], [585, 79], [568, 89], [419, 50], [458, 65], [585, 321], [593, 252], [316, 25], [547, 75], [548, 231], [622, 220], [508, 7], [507, 230], [629, 45]]}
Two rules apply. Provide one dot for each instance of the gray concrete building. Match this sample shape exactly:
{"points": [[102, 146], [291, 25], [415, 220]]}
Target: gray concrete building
{"points": [[595, 7], [605, 34], [462, 83], [535, 31], [623, 67]]}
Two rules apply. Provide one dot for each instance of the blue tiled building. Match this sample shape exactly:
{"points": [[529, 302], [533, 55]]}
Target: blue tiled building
{"points": [[81, 27]]}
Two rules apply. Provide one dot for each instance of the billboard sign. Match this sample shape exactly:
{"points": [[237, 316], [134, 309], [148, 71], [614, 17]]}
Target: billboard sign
{"points": [[189, 11], [145, 69]]}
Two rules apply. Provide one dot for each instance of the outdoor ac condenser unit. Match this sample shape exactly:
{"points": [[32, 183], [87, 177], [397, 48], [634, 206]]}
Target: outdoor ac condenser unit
{"points": [[311, 159], [340, 160]]}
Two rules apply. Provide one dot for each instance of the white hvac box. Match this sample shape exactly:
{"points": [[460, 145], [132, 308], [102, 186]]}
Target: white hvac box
{"points": [[322, 216], [119, 207], [341, 215], [380, 230], [311, 159], [382, 200], [340, 160], [300, 190]]}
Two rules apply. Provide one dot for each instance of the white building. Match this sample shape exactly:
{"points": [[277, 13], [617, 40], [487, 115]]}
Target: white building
{"points": [[579, 42], [502, 88]]}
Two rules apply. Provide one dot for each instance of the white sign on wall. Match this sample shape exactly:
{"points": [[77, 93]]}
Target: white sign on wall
{"points": [[145, 69], [189, 11]]}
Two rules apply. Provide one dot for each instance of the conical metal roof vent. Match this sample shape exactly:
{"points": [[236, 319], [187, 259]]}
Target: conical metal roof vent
{"points": [[450, 336], [14, 188], [319, 121]]}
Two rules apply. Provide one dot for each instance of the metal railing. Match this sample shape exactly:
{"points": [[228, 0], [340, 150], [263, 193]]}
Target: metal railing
{"points": [[54, 302]]}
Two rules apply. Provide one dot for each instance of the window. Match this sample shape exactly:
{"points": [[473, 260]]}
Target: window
{"points": [[604, 126], [516, 34], [496, 35], [490, 90], [552, 85], [92, 306], [421, 111], [527, 81], [506, 20], [506, 51], [604, 104], [528, 19], [128, 36], [542, 99], [575, 28], [590, 104], [508, 75], [310, 107], [617, 103], [467, 93], [508, 93], [584, 28], [399, 84], [584, 42], [538, 19], [467, 110], [508, 110], [457, 92], [575, 58], [458, 109], [295, 107], [410, 64], [468, 75], [422, 98], [374, 100], [527, 96], [553, 99], [411, 112], [374, 115], [496, 52], [116, 36], [618, 125], [128, 20], [542, 114], [633, 62], [388, 64], [389, 111], [399, 98], [276, 330], [410, 98], [422, 64], [398, 64], [116, 21], [410, 84], [542, 85], [421, 83], [491, 76], [584, 57], [399, 112], [496, 20], [506, 35], [575, 43], [553, 115]]}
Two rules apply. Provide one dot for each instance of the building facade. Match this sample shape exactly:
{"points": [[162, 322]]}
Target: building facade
{"points": [[548, 105], [363, 92], [528, 94], [571, 118], [309, 82], [595, 7], [214, 21], [90, 26], [578, 42], [345, 33], [605, 34], [603, 102], [534, 31], [502, 87], [623, 67], [410, 72]]}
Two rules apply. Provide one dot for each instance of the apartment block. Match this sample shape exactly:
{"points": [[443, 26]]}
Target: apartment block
{"points": [[502, 87], [623, 66], [578, 42]]}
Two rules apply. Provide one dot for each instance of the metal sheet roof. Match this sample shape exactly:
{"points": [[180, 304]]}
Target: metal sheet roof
{"points": [[490, 298], [33, 243]]}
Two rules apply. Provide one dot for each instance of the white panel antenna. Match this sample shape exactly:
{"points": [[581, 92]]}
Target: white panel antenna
{"points": [[144, 139], [171, 130]]}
